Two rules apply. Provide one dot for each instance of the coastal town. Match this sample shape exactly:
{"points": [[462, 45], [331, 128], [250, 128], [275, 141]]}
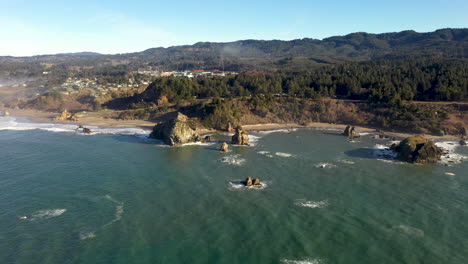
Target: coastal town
{"points": [[139, 79]]}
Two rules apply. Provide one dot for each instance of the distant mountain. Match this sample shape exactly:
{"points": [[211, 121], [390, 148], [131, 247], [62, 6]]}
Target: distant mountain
{"points": [[86, 53], [275, 54]]}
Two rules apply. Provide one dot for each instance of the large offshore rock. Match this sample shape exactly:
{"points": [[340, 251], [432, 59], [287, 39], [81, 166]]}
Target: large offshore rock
{"points": [[176, 131], [418, 149], [351, 132], [240, 137]]}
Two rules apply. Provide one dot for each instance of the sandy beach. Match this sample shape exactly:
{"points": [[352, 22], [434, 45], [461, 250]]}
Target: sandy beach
{"points": [[103, 119]]}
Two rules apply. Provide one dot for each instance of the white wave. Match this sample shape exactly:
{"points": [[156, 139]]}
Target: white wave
{"points": [[324, 165], [304, 261], [47, 213], [87, 235], [199, 144], [264, 152], [22, 124], [384, 153], [233, 160], [450, 174], [450, 156], [119, 210], [284, 155], [312, 204], [266, 132], [346, 161], [236, 186], [409, 230], [253, 140]]}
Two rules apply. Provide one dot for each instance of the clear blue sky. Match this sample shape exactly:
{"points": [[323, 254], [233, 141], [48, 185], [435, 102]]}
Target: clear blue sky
{"points": [[30, 27]]}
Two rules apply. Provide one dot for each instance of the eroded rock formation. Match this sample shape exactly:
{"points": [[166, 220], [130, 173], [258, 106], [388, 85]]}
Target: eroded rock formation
{"points": [[240, 137], [418, 149], [176, 131], [351, 132]]}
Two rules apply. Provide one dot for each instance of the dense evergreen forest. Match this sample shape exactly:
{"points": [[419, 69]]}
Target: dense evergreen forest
{"points": [[387, 82]]}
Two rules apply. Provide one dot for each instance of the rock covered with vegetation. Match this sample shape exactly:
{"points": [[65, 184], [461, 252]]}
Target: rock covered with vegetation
{"points": [[418, 149], [176, 131], [240, 137]]}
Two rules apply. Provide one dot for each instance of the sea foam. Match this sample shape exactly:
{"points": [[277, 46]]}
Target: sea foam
{"points": [[19, 124], [304, 261], [47, 213], [233, 160], [312, 204]]}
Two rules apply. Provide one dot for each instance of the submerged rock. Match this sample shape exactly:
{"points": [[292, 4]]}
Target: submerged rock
{"points": [[86, 130], [418, 149], [176, 131], [351, 132], [463, 142], [224, 147], [240, 137]]}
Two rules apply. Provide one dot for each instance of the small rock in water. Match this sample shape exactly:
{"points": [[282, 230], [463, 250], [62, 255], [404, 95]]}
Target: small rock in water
{"points": [[86, 130], [256, 182], [224, 147], [248, 182]]}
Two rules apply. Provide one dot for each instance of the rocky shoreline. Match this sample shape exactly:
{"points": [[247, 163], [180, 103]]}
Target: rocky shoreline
{"points": [[99, 119]]}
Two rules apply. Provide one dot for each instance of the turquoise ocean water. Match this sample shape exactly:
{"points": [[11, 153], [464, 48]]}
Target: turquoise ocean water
{"points": [[118, 197]]}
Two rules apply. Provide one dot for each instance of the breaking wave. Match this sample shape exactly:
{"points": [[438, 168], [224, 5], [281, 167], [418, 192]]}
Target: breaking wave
{"points": [[409, 230], [304, 261], [324, 165], [233, 160], [312, 204], [450, 156], [47, 213], [21, 124]]}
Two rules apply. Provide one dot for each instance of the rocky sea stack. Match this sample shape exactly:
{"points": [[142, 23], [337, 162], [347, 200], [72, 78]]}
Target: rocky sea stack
{"points": [[351, 132], [176, 131], [240, 137], [418, 149]]}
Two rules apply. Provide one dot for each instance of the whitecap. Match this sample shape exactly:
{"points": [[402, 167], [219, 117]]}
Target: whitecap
{"points": [[119, 209], [233, 160], [450, 174], [312, 204], [324, 165], [87, 235], [47, 213], [345, 161], [409, 230], [264, 152], [304, 261], [284, 155]]}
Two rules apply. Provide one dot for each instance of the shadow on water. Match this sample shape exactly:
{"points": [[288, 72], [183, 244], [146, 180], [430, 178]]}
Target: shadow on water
{"points": [[333, 134], [137, 140], [371, 153]]}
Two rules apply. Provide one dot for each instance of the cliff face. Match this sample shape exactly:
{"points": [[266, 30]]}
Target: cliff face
{"points": [[176, 131]]}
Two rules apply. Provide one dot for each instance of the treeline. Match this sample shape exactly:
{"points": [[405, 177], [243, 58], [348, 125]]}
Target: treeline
{"points": [[387, 82]]}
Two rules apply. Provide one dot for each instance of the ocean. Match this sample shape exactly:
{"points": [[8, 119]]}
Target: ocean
{"points": [[118, 197]]}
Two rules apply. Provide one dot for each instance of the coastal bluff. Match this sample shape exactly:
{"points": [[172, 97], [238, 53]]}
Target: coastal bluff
{"points": [[176, 131]]}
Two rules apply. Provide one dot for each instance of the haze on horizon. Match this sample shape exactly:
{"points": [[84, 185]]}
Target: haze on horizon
{"points": [[49, 27]]}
